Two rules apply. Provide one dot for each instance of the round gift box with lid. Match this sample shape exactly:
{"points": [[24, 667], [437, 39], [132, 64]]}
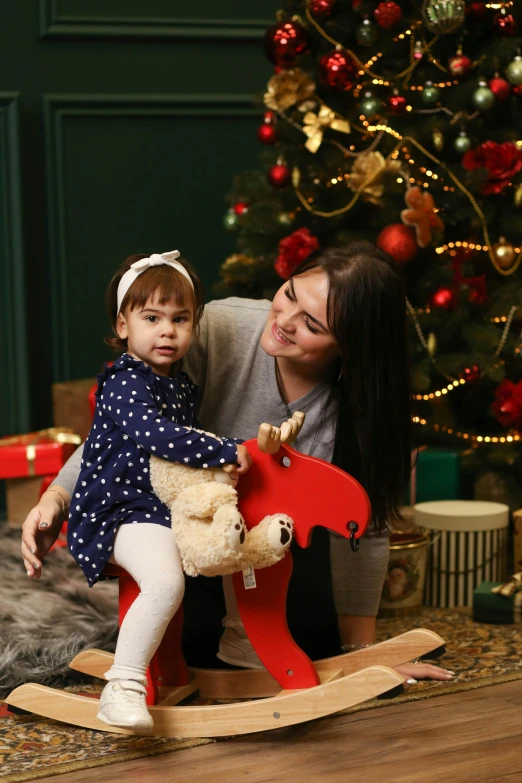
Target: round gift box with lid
{"points": [[469, 546]]}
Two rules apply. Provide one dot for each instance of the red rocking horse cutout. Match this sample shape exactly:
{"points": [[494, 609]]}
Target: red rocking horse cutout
{"points": [[291, 688]]}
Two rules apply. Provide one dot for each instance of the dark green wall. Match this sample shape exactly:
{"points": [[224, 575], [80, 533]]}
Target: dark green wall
{"points": [[122, 123]]}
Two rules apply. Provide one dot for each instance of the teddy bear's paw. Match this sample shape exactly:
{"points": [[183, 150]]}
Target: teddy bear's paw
{"points": [[237, 534], [280, 531]]}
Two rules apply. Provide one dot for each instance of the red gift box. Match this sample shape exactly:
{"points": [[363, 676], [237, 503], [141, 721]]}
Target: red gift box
{"points": [[40, 453]]}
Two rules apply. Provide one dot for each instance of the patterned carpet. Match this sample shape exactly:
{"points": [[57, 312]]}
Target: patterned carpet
{"points": [[481, 655]]}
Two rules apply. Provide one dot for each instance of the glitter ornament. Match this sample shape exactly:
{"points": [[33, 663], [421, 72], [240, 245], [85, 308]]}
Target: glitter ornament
{"points": [[337, 71], [284, 42], [399, 242], [322, 7], [387, 14]]}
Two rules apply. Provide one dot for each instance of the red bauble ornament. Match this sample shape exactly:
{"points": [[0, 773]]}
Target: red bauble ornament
{"points": [[507, 405], [500, 87], [322, 7], [279, 175], [396, 104], [267, 134], [284, 42], [443, 299], [505, 24], [337, 71], [387, 14], [459, 66], [269, 116], [471, 374], [399, 242], [517, 90], [240, 208]]}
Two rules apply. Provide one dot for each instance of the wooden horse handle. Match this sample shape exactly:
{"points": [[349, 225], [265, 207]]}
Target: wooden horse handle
{"points": [[269, 438]]}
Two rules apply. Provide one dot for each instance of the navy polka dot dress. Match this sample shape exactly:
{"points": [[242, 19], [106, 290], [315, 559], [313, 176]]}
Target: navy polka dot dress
{"points": [[138, 413]]}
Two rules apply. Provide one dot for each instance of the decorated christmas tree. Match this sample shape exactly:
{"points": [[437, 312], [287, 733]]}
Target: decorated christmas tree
{"points": [[401, 123]]}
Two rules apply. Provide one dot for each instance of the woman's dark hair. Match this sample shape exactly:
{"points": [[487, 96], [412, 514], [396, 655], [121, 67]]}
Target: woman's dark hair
{"points": [[366, 312], [171, 286]]}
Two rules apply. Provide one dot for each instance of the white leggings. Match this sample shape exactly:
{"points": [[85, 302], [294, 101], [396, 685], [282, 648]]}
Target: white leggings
{"points": [[149, 554]]}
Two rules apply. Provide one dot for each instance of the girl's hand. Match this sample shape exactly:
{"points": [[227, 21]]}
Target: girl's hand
{"points": [[423, 671], [39, 532], [242, 465]]}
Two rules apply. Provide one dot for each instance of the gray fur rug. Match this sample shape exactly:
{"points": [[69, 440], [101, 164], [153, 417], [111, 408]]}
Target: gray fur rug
{"points": [[44, 623]]}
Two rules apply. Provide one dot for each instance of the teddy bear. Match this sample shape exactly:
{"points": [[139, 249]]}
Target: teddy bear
{"points": [[209, 530]]}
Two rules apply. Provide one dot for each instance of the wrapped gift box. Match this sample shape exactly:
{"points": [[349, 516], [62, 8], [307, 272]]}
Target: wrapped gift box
{"points": [[436, 475], [71, 405], [489, 607], [27, 462]]}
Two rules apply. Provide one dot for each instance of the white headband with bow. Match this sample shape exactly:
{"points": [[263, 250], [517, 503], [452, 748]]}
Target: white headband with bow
{"points": [[156, 259]]}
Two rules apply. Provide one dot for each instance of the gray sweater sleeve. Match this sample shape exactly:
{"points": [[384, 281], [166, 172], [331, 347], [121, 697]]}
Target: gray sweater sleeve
{"points": [[68, 476]]}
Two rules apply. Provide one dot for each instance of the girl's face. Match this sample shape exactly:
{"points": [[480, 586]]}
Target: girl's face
{"points": [[297, 329], [157, 334]]}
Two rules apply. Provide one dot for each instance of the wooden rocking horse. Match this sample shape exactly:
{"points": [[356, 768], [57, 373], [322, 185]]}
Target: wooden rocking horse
{"points": [[291, 689]]}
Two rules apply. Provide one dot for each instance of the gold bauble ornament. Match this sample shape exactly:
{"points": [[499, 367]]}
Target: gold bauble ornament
{"points": [[518, 197], [438, 140], [504, 253], [432, 345]]}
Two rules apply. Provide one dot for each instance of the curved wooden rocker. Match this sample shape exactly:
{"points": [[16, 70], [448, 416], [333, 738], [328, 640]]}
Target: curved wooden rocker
{"points": [[291, 689]]}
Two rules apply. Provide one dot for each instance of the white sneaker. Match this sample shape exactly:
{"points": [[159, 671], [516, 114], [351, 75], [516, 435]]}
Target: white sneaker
{"points": [[122, 703], [236, 649]]}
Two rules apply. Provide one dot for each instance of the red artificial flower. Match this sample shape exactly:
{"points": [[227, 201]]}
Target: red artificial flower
{"points": [[502, 161], [507, 407], [292, 250]]}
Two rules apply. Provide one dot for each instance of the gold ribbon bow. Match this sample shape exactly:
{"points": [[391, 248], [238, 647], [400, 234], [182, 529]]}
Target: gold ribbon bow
{"points": [[32, 439], [316, 124], [508, 588]]}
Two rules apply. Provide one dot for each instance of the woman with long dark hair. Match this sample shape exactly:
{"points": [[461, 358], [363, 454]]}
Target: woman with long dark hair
{"points": [[332, 344]]}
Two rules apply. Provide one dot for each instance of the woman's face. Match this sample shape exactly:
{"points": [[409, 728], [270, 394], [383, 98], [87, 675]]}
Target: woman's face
{"points": [[296, 328]]}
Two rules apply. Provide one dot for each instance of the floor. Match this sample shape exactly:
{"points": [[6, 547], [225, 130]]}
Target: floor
{"points": [[474, 737]]}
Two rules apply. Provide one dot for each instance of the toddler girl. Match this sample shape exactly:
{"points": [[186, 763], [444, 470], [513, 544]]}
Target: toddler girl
{"points": [[142, 408]]}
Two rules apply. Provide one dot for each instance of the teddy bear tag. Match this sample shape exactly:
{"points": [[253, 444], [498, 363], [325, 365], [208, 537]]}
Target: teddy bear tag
{"points": [[249, 578]]}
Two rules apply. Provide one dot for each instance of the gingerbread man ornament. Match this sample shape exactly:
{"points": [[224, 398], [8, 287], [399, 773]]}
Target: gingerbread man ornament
{"points": [[421, 215]]}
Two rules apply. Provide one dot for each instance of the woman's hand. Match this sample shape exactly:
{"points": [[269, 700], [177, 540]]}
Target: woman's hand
{"points": [[423, 671], [40, 530]]}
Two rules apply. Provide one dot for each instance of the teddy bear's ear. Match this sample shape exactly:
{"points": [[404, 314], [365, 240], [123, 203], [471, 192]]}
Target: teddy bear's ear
{"points": [[204, 500]]}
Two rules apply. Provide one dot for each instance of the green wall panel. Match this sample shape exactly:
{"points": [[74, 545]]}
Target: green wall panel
{"points": [[131, 174], [14, 410], [156, 18]]}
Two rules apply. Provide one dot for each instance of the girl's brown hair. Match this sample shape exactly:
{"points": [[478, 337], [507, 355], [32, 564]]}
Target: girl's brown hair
{"points": [[165, 282]]}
